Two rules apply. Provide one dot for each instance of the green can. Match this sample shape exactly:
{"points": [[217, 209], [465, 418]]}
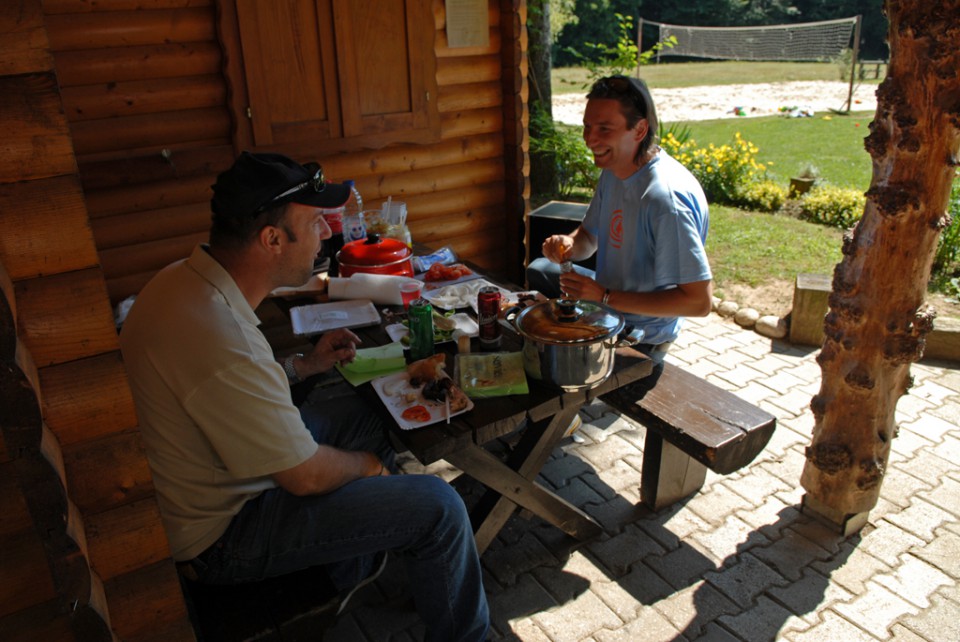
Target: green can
{"points": [[421, 329]]}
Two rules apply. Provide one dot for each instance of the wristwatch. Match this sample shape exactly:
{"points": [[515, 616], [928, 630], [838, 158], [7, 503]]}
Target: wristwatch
{"points": [[288, 368]]}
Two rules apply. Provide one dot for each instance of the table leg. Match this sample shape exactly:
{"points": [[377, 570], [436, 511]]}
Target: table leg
{"points": [[512, 484]]}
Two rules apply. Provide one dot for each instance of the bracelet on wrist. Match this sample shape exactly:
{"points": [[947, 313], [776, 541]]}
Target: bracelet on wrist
{"points": [[606, 296], [288, 368]]}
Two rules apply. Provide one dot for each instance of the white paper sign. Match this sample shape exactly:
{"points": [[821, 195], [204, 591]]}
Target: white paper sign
{"points": [[467, 23]]}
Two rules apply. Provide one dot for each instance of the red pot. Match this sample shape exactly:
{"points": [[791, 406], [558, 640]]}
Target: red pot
{"points": [[375, 255]]}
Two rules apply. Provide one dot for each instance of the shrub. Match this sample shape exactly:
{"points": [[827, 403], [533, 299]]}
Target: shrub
{"points": [[763, 196], [724, 172], [564, 144], [948, 246], [834, 206]]}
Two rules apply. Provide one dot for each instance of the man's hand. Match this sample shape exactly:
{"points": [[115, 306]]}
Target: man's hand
{"points": [[335, 347], [558, 247]]}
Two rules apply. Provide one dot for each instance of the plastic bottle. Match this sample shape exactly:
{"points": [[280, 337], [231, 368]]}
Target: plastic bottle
{"points": [[354, 225], [339, 220]]}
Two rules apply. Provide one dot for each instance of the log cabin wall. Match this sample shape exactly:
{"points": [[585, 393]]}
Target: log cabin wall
{"points": [[84, 553], [157, 108]]}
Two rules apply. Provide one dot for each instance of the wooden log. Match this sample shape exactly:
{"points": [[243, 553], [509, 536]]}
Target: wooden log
{"points": [[157, 131], [142, 257], [51, 7], [24, 48], [8, 316], [23, 565], [69, 32], [126, 538], [120, 64], [464, 201], [151, 196], [147, 604], [113, 100], [106, 473], [151, 225], [469, 69], [470, 123], [65, 317], [45, 228], [36, 140], [122, 286], [434, 231], [87, 399], [137, 170], [44, 621], [468, 97], [367, 167], [439, 178]]}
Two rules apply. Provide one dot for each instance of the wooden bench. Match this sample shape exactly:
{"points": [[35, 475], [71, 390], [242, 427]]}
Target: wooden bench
{"points": [[691, 425]]}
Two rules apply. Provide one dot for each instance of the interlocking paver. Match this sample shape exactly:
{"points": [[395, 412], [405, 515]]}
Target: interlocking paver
{"points": [[921, 518], [739, 560], [832, 627], [876, 610], [939, 622]]}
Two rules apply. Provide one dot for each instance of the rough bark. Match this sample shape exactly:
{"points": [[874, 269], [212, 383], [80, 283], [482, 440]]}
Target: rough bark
{"points": [[877, 320]]}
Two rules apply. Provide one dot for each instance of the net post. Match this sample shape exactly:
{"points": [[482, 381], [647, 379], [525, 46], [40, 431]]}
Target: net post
{"points": [[853, 63], [639, 42]]}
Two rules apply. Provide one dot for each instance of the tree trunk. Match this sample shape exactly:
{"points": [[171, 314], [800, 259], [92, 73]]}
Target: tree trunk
{"points": [[877, 322], [543, 167]]}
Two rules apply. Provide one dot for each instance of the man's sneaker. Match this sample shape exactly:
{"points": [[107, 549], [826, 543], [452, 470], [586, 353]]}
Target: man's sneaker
{"points": [[382, 564]]}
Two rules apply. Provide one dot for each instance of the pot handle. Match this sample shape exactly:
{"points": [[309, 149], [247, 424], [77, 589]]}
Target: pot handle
{"points": [[630, 335], [510, 316]]}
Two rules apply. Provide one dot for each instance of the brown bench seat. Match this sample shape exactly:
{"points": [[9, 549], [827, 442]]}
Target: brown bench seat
{"points": [[691, 425]]}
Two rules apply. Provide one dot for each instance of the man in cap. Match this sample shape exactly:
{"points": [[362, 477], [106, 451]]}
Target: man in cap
{"points": [[248, 485], [647, 223]]}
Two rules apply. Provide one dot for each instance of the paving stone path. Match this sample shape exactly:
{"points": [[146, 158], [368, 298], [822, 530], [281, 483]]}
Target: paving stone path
{"points": [[738, 561]]}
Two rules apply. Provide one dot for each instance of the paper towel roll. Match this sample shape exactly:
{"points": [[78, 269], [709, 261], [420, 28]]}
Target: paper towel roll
{"points": [[382, 289]]}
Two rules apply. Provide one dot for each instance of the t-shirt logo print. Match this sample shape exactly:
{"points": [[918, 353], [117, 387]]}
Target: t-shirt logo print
{"points": [[616, 229]]}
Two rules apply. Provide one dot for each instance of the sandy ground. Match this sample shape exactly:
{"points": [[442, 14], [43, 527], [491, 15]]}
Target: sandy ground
{"points": [[721, 101]]}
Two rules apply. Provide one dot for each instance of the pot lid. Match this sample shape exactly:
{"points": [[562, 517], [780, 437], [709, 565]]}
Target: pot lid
{"points": [[373, 251], [567, 321]]}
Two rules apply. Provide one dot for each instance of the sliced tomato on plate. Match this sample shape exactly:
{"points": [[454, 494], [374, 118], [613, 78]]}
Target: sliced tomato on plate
{"points": [[416, 413], [440, 272]]}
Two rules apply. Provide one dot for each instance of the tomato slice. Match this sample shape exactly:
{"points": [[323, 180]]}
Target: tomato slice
{"points": [[416, 413]]}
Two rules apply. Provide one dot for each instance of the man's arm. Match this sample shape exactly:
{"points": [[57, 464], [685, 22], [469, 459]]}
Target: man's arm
{"points": [[327, 470], [686, 300]]}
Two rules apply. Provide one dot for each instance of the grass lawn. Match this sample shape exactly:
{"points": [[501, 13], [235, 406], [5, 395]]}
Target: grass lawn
{"points": [[831, 142]]}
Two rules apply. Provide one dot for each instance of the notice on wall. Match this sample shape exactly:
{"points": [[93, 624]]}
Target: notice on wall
{"points": [[467, 23]]}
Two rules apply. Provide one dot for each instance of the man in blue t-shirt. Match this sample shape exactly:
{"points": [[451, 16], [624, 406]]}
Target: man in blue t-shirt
{"points": [[647, 223]]}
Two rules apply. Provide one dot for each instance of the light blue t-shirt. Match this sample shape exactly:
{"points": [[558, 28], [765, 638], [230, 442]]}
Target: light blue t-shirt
{"points": [[650, 231]]}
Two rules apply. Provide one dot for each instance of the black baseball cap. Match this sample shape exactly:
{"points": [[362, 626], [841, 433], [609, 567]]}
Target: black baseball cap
{"points": [[258, 181]]}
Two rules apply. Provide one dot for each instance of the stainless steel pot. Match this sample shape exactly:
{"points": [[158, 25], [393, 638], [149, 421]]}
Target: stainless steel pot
{"points": [[570, 344]]}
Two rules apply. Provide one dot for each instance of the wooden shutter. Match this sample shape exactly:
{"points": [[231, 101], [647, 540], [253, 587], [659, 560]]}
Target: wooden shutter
{"points": [[337, 75]]}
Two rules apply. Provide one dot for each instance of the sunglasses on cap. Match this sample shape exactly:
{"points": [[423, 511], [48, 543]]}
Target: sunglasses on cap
{"points": [[316, 181]]}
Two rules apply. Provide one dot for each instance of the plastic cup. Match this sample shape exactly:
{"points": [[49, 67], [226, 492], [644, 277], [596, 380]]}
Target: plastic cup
{"points": [[409, 291]]}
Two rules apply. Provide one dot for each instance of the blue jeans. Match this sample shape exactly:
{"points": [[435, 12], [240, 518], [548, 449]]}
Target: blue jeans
{"points": [[419, 517], [543, 275]]}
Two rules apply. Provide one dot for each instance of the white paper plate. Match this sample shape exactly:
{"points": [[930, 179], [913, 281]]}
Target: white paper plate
{"points": [[397, 395], [464, 325], [460, 295], [321, 317]]}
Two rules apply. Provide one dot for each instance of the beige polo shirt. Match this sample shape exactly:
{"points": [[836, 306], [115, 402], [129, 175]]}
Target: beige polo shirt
{"points": [[214, 406]]}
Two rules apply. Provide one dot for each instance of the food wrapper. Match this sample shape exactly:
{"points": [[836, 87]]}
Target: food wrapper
{"points": [[492, 374]]}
